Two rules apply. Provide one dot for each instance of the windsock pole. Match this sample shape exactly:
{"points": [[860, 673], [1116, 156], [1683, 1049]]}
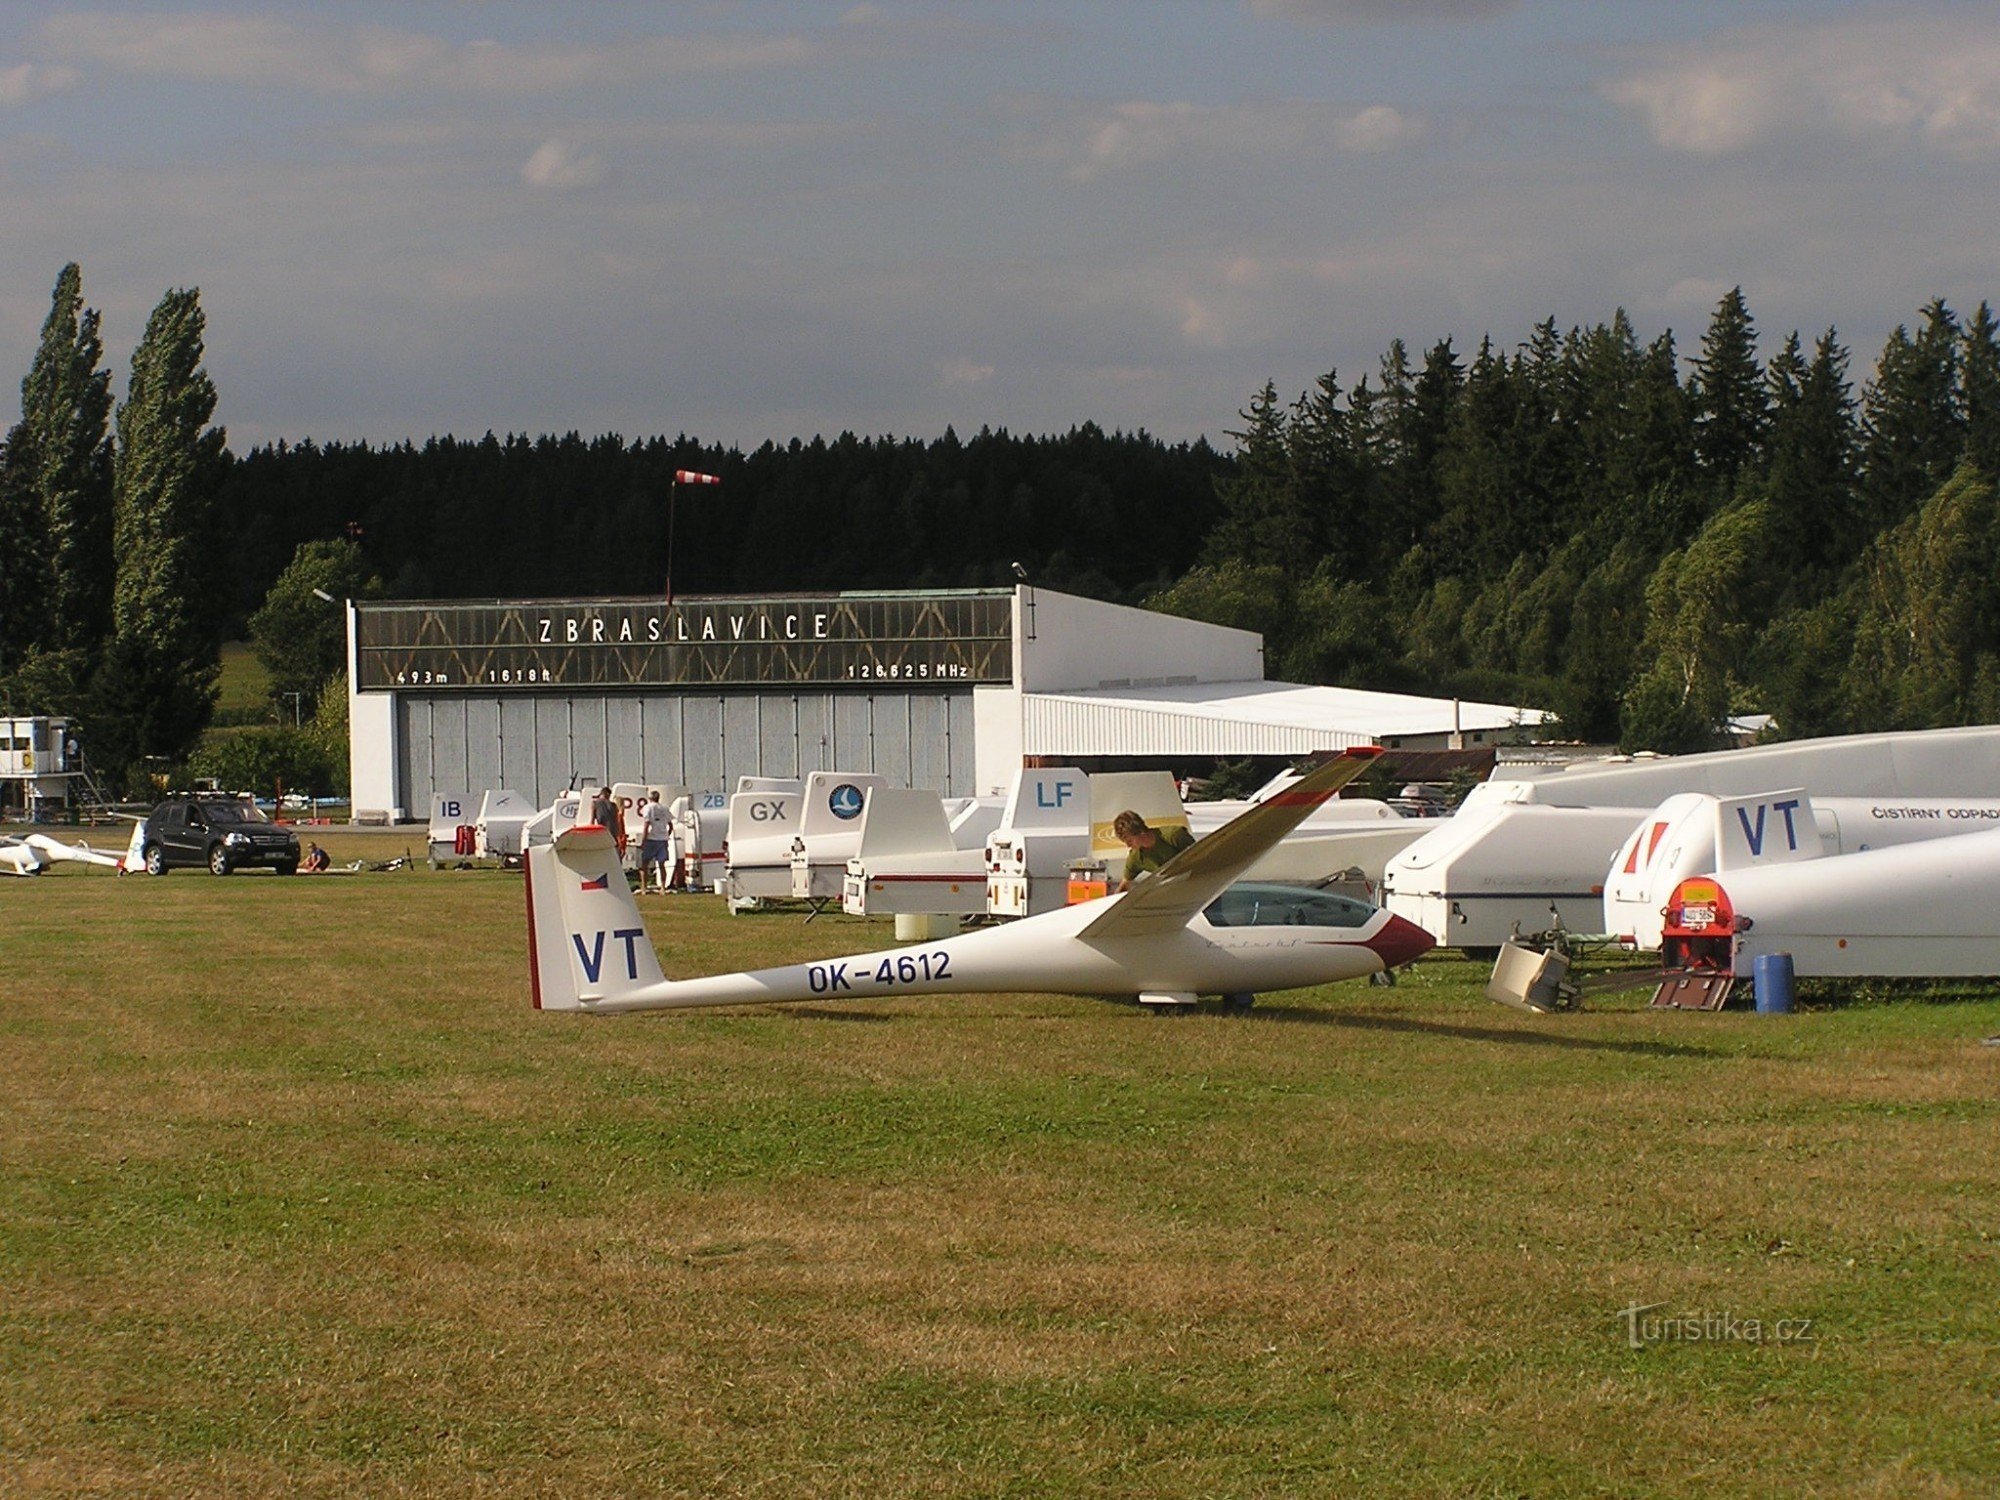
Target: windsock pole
{"points": [[681, 477]]}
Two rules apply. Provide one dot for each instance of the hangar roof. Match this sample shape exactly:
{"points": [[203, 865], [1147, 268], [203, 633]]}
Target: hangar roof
{"points": [[1244, 718]]}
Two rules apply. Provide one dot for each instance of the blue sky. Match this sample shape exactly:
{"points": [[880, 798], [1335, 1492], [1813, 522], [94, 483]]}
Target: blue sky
{"points": [[756, 220]]}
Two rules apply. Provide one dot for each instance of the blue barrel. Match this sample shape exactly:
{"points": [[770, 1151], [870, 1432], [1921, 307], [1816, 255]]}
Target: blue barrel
{"points": [[1772, 974]]}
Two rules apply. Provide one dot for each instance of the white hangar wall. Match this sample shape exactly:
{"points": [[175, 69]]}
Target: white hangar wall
{"points": [[538, 744], [946, 689]]}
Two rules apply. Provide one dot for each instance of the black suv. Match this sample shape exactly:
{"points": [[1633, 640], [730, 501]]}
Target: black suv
{"points": [[224, 833]]}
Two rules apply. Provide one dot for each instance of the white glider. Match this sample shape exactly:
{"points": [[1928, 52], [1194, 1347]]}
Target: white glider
{"points": [[1180, 933]]}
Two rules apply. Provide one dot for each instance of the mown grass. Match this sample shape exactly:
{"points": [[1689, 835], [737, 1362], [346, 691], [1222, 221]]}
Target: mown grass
{"points": [[298, 1196], [243, 691]]}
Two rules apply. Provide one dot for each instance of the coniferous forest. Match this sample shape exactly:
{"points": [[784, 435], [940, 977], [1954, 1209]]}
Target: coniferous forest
{"points": [[1644, 538]]}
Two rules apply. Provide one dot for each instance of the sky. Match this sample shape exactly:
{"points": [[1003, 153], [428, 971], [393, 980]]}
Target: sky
{"points": [[746, 220]]}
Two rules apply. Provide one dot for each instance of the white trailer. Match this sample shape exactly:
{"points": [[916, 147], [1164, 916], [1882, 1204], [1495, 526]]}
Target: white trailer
{"points": [[757, 855], [1340, 836], [829, 832], [1910, 763], [1477, 877], [701, 826], [1697, 834], [1044, 825], [501, 825], [451, 832], [1454, 881], [1922, 910], [907, 862]]}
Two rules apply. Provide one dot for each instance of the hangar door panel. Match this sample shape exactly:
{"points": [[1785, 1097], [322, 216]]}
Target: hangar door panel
{"points": [[480, 725], [414, 745], [520, 765], [660, 727], [701, 742], [932, 741], [853, 733], [777, 737], [625, 739], [815, 735], [590, 757], [889, 718], [742, 731]]}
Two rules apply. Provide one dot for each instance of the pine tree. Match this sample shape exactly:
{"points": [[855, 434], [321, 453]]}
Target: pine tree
{"points": [[1979, 385], [1912, 425], [1258, 499], [1810, 482], [158, 685], [1728, 397]]}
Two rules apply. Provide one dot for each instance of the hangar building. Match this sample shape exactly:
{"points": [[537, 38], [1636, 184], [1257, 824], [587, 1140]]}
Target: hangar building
{"points": [[949, 689]]}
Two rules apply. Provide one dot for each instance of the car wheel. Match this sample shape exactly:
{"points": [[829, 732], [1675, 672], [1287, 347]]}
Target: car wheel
{"points": [[218, 861], [287, 867], [156, 860]]}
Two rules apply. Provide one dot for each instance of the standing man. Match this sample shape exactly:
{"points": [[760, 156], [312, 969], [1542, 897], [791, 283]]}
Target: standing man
{"points": [[656, 846], [604, 812]]}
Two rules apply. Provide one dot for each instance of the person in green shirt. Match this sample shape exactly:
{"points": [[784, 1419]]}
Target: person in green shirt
{"points": [[1147, 848]]}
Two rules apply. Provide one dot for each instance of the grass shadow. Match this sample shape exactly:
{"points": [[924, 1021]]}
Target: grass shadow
{"points": [[1304, 1015]]}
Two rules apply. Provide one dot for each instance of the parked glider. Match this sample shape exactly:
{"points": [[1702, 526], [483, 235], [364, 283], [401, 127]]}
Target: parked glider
{"points": [[36, 852], [1180, 933]]}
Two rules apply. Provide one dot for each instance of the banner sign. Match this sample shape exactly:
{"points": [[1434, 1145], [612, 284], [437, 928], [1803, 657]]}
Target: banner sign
{"points": [[822, 640]]}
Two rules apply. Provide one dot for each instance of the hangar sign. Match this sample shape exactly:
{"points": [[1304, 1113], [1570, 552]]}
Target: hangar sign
{"points": [[831, 640]]}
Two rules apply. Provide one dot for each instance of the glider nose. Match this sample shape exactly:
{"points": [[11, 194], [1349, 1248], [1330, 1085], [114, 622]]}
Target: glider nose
{"points": [[1399, 941]]}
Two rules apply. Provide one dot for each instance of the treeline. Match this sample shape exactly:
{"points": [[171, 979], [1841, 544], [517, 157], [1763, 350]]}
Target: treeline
{"points": [[1645, 543], [1112, 514], [1578, 523]]}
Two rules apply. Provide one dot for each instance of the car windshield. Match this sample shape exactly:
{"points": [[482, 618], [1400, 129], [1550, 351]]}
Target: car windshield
{"points": [[233, 812], [1285, 906]]}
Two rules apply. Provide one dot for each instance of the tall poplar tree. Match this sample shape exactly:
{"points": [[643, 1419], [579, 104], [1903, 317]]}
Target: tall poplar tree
{"points": [[158, 685], [58, 486]]}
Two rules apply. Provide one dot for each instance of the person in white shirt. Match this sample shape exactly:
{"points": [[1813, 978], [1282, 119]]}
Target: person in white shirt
{"points": [[656, 850]]}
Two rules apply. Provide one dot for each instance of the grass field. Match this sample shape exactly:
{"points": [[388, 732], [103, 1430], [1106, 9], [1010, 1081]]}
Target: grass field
{"points": [[243, 691], [301, 1198]]}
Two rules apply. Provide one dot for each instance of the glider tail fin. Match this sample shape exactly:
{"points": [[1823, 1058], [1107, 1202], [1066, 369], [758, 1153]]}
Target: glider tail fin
{"points": [[586, 940]]}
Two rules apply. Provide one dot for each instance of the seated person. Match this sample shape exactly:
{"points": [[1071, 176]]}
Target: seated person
{"points": [[316, 861]]}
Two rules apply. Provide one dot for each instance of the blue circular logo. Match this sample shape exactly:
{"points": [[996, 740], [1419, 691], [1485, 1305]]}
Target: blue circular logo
{"points": [[844, 801]]}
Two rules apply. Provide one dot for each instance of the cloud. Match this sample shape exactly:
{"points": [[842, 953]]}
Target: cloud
{"points": [[26, 82], [560, 167], [1139, 132], [217, 47], [1381, 10], [1927, 80], [963, 372]]}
